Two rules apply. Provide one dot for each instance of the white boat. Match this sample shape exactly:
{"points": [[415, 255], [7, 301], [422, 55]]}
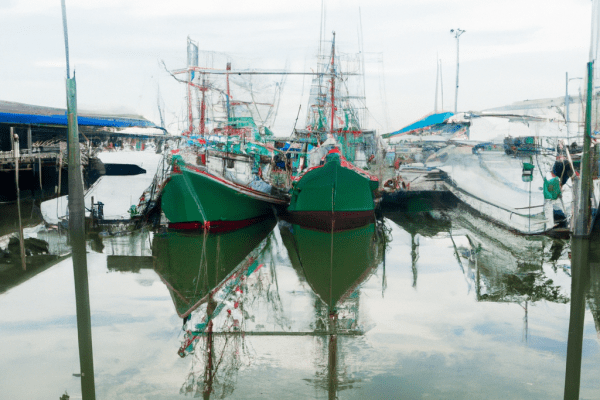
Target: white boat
{"points": [[503, 165], [511, 190]]}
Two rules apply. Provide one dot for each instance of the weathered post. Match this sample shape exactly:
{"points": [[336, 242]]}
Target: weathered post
{"points": [[92, 214], [77, 234], [29, 144], [15, 142], [40, 172], [59, 172], [583, 216]]}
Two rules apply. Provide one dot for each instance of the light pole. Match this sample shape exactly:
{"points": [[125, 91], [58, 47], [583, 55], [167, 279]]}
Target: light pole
{"points": [[457, 33]]}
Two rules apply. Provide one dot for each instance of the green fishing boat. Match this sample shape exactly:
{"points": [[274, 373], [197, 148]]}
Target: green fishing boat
{"points": [[334, 193], [215, 182], [334, 196], [195, 198]]}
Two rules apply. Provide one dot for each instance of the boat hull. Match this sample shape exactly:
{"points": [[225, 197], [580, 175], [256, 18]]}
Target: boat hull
{"points": [[495, 186], [516, 220], [197, 199], [332, 196]]}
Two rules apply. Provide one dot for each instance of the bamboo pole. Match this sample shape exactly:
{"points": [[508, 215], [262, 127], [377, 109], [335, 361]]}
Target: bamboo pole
{"points": [[15, 142]]}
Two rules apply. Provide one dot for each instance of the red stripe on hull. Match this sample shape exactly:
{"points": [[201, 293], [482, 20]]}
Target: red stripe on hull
{"points": [[185, 226], [326, 221], [215, 226]]}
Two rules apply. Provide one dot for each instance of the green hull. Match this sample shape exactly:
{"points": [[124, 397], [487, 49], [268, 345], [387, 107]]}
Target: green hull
{"points": [[333, 264], [192, 265], [196, 196], [334, 188]]}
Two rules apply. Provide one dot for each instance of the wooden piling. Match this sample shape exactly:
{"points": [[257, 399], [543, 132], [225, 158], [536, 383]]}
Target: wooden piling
{"points": [[92, 214], [15, 146], [77, 240], [77, 234], [59, 171], [583, 216], [29, 146], [40, 173]]}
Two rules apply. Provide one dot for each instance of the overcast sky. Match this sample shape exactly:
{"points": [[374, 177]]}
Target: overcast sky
{"points": [[512, 50]]}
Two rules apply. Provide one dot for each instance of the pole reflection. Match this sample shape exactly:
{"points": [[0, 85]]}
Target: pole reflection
{"points": [[211, 278], [585, 282], [335, 264]]}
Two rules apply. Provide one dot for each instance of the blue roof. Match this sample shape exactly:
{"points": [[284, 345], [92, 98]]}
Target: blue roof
{"points": [[430, 120], [17, 113]]}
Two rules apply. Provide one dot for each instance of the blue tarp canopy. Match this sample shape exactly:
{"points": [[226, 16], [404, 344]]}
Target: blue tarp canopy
{"points": [[25, 114], [430, 120]]}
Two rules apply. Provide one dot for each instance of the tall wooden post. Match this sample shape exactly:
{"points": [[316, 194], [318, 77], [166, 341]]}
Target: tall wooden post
{"points": [[59, 172], [40, 172], [15, 146], [77, 240], [77, 235], [29, 144], [583, 216]]}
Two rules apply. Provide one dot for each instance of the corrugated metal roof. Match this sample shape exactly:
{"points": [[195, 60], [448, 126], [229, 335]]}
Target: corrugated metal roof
{"points": [[27, 114]]}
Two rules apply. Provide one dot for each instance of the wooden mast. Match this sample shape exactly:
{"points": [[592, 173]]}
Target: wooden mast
{"points": [[203, 106], [332, 82]]}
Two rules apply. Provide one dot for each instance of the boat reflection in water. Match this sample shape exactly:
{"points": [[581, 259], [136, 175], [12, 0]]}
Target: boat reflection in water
{"points": [[498, 265], [508, 267], [208, 276], [335, 264], [420, 224], [195, 265], [219, 301]]}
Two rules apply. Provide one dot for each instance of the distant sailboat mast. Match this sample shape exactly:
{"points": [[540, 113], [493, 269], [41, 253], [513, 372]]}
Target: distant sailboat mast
{"points": [[437, 76], [441, 85]]}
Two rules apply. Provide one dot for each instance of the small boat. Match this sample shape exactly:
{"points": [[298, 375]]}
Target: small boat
{"points": [[521, 183], [509, 189]]}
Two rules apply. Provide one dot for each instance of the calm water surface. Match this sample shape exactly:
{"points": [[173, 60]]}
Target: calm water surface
{"points": [[437, 305]]}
